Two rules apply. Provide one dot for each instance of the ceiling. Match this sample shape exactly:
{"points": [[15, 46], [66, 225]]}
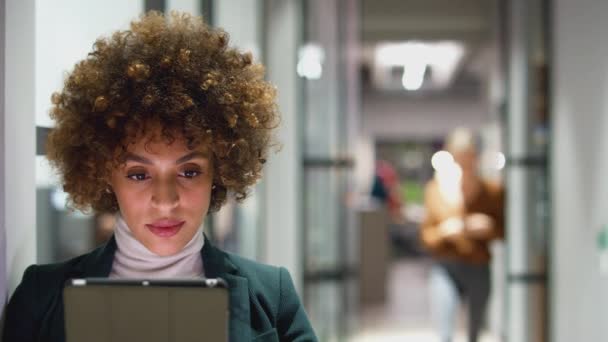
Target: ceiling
{"points": [[389, 20], [470, 22]]}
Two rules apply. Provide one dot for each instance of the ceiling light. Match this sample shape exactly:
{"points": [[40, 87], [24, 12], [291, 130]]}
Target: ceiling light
{"points": [[310, 61], [442, 58]]}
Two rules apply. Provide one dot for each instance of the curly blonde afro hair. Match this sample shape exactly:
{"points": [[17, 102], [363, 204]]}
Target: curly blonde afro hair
{"points": [[172, 70]]}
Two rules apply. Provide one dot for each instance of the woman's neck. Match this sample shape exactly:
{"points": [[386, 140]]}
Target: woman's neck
{"points": [[134, 260]]}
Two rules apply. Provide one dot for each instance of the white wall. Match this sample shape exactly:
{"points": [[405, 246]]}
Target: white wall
{"points": [[19, 197], [283, 244], [3, 283], [398, 117], [189, 6], [65, 33], [579, 297], [240, 18]]}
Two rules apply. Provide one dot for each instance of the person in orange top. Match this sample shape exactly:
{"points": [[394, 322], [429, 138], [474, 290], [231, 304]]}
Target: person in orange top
{"points": [[463, 215]]}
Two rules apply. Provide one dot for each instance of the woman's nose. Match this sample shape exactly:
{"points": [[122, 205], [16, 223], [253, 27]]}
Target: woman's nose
{"points": [[165, 195]]}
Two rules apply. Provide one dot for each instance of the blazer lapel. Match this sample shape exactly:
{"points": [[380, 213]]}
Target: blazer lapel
{"points": [[99, 262], [217, 265], [239, 325]]}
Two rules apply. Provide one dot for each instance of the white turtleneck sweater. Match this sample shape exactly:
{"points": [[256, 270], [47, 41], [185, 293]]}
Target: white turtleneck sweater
{"points": [[133, 260]]}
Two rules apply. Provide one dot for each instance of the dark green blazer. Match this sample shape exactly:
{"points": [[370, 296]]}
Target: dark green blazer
{"points": [[264, 305]]}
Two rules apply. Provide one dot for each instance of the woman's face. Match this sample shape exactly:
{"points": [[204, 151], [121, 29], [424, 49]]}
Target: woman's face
{"points": [[163, 192]]}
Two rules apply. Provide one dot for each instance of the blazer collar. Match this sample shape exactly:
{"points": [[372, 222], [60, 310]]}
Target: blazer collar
{"points": [[216, 263]]}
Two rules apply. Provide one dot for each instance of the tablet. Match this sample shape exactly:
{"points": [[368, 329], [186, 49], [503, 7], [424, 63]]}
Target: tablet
{"points": [[119, 310]]}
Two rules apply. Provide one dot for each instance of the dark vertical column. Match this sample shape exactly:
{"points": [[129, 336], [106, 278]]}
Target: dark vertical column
{"points": [[156, 5], [207, 11]]}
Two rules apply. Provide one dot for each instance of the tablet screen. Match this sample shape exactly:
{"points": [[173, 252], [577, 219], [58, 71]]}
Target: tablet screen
{"points": [[102, 309]]}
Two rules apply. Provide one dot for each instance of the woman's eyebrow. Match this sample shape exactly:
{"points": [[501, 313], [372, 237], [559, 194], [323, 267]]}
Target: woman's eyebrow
{"points": [[137, 158], [189, 156]]}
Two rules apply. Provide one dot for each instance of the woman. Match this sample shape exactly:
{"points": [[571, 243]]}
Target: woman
{"points": [[158, 124], [464, 214]]}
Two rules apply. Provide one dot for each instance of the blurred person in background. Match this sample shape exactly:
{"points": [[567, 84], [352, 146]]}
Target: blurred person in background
{"points": [[463, 215], [157, 125], [386, 190]]}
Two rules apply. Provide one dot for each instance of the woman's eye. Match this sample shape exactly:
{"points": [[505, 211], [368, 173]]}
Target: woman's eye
{"points": [[190, 173], [137, 176]]}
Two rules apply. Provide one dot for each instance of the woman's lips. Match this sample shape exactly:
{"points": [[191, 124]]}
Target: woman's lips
{"points": [[165, 228]]}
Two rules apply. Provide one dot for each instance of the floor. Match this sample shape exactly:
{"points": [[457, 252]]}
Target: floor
{"points": [[405, 316]]}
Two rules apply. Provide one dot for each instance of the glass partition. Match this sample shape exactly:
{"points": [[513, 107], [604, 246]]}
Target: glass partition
{"points": [[330, 250]]}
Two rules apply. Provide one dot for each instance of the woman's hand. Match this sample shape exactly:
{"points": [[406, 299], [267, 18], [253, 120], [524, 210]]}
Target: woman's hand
{"points": [[451, 227], [479, 226], [453, 230]]}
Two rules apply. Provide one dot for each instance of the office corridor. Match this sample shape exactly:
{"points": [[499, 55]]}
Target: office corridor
{"points": [[406, 314]]}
